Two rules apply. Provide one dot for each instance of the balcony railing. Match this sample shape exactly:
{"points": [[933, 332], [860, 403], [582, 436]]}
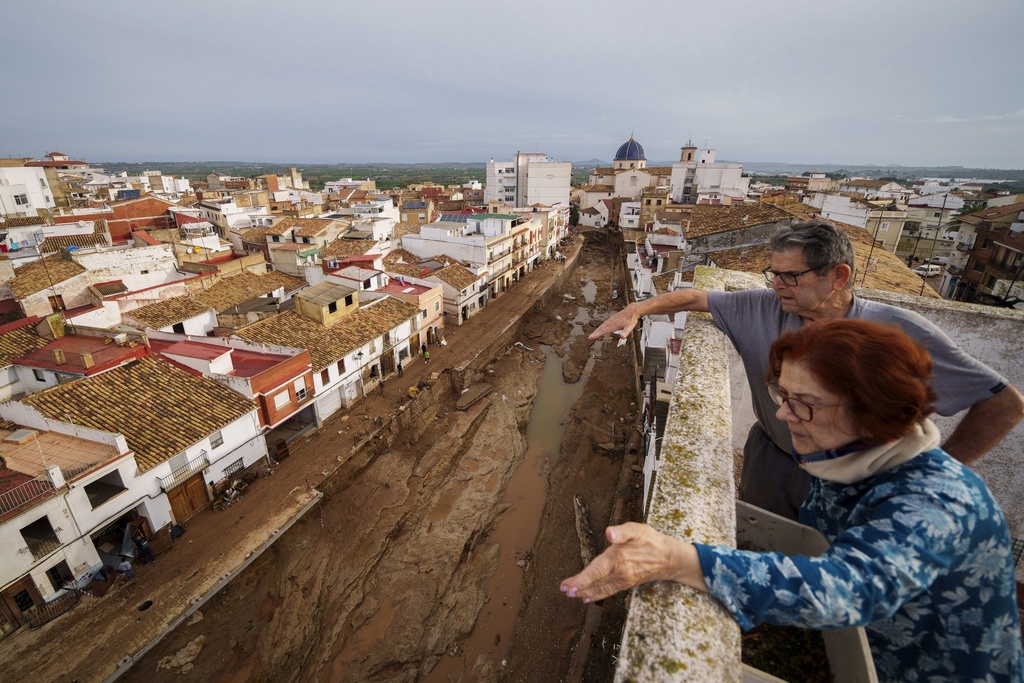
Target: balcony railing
{"points": [[184, 473], [24, 493], [961, 246]]}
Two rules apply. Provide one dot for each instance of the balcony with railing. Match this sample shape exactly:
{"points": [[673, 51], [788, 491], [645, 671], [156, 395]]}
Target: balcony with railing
{"points": [[182, 474], [673, 632], [25, 493]]}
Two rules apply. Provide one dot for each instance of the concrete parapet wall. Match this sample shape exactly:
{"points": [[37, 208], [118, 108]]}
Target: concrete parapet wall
{"points": [[674, 632]]}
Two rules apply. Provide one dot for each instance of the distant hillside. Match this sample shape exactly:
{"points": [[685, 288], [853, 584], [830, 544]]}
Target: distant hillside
{"points": [[453, 172]]}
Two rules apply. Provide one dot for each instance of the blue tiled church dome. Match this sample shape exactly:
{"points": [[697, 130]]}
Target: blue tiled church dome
{"points": [[630, 151]]}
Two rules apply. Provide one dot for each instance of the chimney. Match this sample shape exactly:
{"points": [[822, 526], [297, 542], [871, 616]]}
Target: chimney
{"points": [[87, 360], [58, 356]]}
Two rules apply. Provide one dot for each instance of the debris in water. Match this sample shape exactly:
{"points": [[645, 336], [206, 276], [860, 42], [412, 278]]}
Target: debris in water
{"points": [[504, 662]]}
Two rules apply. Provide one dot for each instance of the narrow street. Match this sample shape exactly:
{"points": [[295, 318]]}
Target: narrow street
{"points": [[417, 563]]}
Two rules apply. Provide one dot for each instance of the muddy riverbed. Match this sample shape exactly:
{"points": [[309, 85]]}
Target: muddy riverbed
{"points": [[436, 554]]}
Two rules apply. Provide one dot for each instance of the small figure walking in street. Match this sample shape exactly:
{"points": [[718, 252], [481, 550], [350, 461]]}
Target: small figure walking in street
{"points": [[426, 356], [145, 552], [399, 368], [125, 567], [423, 348], [381, 386]]}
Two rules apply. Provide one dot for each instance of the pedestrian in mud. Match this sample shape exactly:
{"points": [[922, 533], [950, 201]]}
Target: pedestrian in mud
{"points": [[125, 567], [399, 368], [381, 386], [426, 355], [145, 552], [423, 348]]}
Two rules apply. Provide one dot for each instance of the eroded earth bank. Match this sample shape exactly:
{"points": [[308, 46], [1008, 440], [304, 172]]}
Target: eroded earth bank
{"points": [[437, 551]]}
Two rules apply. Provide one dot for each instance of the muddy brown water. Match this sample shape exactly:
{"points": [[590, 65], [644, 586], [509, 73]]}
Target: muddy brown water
{"points": [[526, 493]]}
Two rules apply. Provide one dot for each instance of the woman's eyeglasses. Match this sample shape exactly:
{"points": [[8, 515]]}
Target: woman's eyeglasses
{"points": [[801, 409]]}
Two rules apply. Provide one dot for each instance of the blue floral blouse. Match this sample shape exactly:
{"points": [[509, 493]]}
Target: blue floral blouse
{"points": [[920, 557]]}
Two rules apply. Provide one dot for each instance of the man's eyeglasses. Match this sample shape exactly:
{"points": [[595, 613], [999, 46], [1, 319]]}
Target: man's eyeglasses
{"points": [[789, 278], [802, 410]]}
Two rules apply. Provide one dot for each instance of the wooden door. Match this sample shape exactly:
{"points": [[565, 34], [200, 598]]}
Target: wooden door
{"points": [[21, 596], [188, 498]]}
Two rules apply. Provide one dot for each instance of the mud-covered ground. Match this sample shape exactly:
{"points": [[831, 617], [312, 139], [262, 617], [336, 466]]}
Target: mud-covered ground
{"points": [[389, 576]]}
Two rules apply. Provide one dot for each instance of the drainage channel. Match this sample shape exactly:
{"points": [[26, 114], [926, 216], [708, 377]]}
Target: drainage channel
{"points": [[526, 492]]}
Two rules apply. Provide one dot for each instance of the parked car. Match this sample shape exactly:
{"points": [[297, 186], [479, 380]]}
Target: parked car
{"points": [[929, 270], [938, 260]]}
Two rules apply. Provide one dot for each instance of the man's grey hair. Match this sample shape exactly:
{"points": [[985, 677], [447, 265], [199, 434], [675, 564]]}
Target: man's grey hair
{"points": [[824, 245]]}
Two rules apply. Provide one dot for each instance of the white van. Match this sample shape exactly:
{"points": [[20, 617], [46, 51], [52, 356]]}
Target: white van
{"points": [[938, 260], [930, 270]]}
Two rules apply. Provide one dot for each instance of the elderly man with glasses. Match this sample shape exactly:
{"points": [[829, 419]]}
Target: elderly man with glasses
{"points": [[811, 280]]}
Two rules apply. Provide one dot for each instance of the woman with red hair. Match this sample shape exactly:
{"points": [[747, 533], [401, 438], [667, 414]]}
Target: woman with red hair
{"points": [[920, 550]]}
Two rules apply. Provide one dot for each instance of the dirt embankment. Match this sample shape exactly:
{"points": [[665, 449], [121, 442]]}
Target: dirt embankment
{"points": [[382, 580]]}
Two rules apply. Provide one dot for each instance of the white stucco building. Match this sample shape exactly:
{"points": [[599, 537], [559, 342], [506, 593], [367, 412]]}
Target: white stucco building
{"points": [[530, 178], [698, 179], [24, 191]]}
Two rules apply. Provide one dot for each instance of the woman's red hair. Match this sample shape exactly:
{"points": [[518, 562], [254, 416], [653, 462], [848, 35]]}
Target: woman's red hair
{"points": [[883, 374]]}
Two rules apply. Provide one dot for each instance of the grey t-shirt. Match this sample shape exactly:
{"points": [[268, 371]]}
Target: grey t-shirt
{"points": [[753, 319]]}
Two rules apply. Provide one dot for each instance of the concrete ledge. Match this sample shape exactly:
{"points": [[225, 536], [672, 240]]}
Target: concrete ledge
{"points": [[673, 632]]}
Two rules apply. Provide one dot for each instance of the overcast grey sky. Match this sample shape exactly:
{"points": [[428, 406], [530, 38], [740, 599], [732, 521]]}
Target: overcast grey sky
{"points": [[916, 82]]}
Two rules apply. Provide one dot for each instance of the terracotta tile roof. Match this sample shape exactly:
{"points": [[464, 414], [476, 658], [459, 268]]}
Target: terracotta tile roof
{"points": [[748, 259], [662, 282], [704, 219], [21, 221], [866, 183], [287, 224], [407, 228], [169, 311], [979, 217], [409, 266], [111, 288], [456, 275], [254, 235], [887, 273], [598, 188], [17, 342], [343, 248], [238, 289], [327, 345], [160, 408], [37, 276], [55, 243], [629, 235], [312, 226]]}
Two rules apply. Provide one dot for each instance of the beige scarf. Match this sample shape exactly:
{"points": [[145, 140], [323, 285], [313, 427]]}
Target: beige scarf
{"points": [[847, 469]]}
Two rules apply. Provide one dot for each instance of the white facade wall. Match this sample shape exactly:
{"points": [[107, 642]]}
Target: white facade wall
{"points": [[106, 316], [15, 559], [433, 241], [24, 191], [629, 215], [839, 208], [139, 268], [501, 182], [725, 178]]}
